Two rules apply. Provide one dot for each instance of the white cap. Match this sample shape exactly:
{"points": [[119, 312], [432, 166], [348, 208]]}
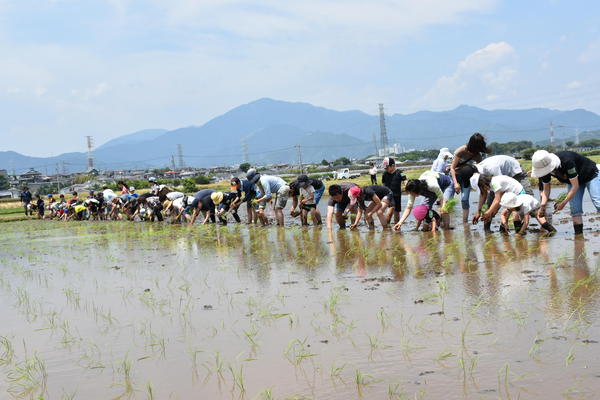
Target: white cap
{"points": [[542, 163], [510, 200]]}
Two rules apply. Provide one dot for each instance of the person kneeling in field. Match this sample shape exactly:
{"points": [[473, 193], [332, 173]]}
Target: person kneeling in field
{"points": [[500, 185], [522, 207], [339, 204], [304, 187], [381, 197], [433, 186], [428, 217]]}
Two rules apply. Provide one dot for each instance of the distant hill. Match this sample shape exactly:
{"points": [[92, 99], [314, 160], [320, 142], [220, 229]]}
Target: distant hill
{"points": [[271, 129]]}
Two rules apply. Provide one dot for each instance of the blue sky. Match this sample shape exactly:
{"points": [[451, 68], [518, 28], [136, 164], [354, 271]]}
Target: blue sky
{"points": [[72, 68]]}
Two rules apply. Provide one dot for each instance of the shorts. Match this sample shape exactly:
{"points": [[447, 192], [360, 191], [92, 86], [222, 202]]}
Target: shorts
{"points": [[389, 199], [319, 194], [281, 199], [308, 207]]}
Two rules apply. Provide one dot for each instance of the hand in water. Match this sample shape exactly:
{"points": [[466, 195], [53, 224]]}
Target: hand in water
{"points": [[476, 217], [457, 188]]}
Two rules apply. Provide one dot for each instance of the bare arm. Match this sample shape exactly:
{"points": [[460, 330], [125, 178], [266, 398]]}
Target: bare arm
{"points": [[329, 217], [572, 192]]}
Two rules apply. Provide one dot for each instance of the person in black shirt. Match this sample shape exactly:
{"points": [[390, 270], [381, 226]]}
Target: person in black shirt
{"points": [[40, 206], [578, 172], [339, 204], [26, 199], [393, 178], [381, 197]]}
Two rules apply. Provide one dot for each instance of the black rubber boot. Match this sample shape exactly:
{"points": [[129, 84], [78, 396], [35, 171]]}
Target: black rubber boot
{"points": [[487, 226], [503, 230], [549, 227], [518, 225], [578, 228], [236, 217]]}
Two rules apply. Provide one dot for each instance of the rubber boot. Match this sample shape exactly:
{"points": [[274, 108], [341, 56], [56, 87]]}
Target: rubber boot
{"points": [[518, 225], [551, 230], [578, 228], [487, 226], [503, 230]]}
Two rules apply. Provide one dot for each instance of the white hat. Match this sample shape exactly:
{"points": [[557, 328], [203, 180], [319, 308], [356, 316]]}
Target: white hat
{"points": [[444, 151], [542, 163], [510, 200], [131, 189], [474, 181]]}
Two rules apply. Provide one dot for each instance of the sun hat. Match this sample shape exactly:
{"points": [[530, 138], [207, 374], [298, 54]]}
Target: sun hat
{"points": [[474, 182], [420, 212], [388, 161], [510, 200], [543, 162], [252, 175], [216, 197], [131, 189], [353, 193], [444, 151]]}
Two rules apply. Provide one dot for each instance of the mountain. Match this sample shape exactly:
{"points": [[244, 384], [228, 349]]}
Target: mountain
{"points": [[133, 138], [271, 129]]}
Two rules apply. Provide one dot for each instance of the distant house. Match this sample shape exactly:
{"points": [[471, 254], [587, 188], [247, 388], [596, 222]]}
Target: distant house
{"points": [[12, 193], [30, 176]]}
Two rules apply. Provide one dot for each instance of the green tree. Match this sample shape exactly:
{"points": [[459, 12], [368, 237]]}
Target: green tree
{"points": [[3, 182], [325, 162], [189, 186], [342, 161], [202, 179], [244, 167]]}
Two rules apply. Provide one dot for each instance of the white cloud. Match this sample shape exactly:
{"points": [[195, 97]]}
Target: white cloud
{"points": [[485, 74], [574, 85], [591, 53]]}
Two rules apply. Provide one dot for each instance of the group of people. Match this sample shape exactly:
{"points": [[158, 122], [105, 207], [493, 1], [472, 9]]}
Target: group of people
{"points": [[502, 184]]}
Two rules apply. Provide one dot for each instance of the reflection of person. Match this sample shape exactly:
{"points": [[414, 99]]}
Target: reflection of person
{"points": [[578, 172]]}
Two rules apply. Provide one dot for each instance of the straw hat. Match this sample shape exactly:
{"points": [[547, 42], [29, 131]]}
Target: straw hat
{"points": [[542, 163], [216, 197], [510, 200]]}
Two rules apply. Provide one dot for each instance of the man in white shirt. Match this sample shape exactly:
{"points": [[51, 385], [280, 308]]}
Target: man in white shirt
{"points": [[373, 174]]}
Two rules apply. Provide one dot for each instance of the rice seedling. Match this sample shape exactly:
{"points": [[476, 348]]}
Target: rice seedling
{"points": [[238, 378], [28, 379], [362, 381], [7, 351], [335, 372], [298, 351], [265, 394], [124, 369]]}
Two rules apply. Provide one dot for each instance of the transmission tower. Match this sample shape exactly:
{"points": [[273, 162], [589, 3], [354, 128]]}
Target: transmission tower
{"points": [[180, 156], [90, 156], [551, 133], [299, 157], [577, 136], [173, 166], [245, 150], [384, 139], [375, 144]]}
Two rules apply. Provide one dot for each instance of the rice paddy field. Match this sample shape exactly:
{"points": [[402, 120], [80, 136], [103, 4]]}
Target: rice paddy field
{"points": [[121, 310]]}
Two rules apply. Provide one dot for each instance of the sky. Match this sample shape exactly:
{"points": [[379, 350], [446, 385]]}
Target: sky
{"points": [[71, 68]]}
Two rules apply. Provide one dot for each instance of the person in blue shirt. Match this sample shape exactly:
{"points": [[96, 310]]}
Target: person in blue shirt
{"points": [[268, 186]]}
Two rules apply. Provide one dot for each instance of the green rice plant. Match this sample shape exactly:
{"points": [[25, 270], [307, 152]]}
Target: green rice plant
{"points": [[570, 356], [384, 319], [7, 352], [362, 381], [395, 392], [238, 378], [28, 379], [450, 206], [297, 351], [561, 197], [124, 369], [266, 394], [335, 372]]}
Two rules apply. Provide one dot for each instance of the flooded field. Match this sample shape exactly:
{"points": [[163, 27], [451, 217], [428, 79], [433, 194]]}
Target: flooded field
{"points": [[101, 310]]}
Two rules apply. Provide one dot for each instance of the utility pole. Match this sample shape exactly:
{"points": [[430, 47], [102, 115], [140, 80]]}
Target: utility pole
{"points": [[375, 144], [551, 133], [245, 149], [299, 157], [90, 156], [384, 139], [180, 156]]}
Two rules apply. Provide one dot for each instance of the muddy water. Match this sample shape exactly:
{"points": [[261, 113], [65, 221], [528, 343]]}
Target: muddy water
{"points": [[168, 312]]}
